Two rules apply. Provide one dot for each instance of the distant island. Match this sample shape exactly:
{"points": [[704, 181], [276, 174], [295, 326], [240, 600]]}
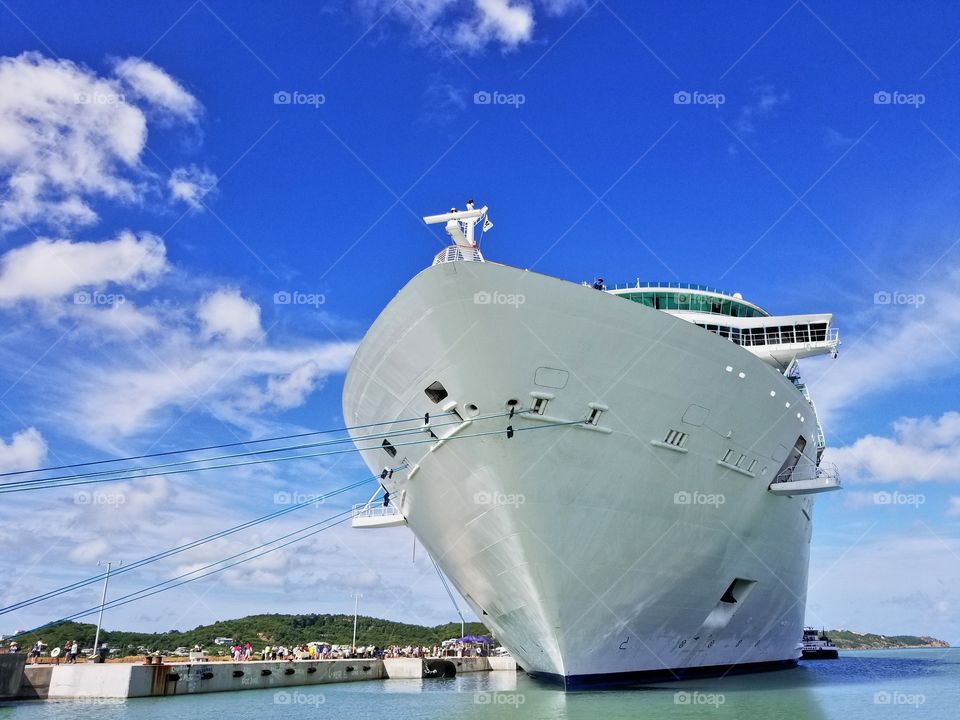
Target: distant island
{"points": [[259, 630], [853, 640]]}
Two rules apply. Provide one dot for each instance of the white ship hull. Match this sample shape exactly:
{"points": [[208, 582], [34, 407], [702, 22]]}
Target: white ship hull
{"points": [[599, 552]]}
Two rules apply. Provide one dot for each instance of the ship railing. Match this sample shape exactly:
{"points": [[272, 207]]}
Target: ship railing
{"points": [[375, 511], [799, 339], [807, 470], [638, 285], [458, 253]]}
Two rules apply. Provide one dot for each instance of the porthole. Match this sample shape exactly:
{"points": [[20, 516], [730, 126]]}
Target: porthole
{"points": [[472, 410]]}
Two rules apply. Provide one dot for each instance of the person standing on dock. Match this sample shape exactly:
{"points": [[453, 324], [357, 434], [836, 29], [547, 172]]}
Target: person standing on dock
{"points": [[247, 651], [37, 651], [74, 649]]}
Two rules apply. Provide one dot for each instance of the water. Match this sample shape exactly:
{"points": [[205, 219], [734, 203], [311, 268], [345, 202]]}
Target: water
{"points": [[871, 684]]}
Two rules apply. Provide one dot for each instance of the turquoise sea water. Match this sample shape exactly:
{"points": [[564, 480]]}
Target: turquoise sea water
{"points": [[922, 684]]}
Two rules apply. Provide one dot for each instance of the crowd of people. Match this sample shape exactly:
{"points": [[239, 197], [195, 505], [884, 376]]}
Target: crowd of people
{"points": [[324, 651]]}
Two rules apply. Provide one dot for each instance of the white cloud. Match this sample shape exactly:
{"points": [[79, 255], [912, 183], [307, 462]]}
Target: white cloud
{"points": [[227, 314], [767, 100], [893, 583], [954, 508], [48, 269], [920, 449], [290, 390], [25, 451], [903, 344], [149, 82], [470, 25], [69, 135], [191, 184], [183, 373], [503, 21]]}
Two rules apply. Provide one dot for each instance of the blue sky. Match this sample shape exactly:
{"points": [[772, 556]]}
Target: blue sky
{"points": [[144, 155]]}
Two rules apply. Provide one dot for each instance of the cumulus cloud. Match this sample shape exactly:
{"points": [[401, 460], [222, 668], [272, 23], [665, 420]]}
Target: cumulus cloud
{"points": [[508, 23], [191, 184], [47, 269], [919, 449], [228, 315], [25, 451], [69, 136], [147, 81]]}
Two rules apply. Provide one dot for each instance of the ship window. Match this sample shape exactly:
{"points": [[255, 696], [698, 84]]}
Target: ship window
{"points": [[436, 391], [388, 446], [753, 464], [740, 461], [594, 416], [728, 456], [539, 405]]}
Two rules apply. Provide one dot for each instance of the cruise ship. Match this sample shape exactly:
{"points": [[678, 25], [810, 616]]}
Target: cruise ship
{"points": [[619, 481]]}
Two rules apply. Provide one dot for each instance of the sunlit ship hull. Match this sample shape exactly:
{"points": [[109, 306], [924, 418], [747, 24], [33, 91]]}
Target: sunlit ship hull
{"points": [[601, 550]]}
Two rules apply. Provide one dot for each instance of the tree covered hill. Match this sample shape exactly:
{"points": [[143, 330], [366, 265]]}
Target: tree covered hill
{"points": [[852, 640], [259, 630]]}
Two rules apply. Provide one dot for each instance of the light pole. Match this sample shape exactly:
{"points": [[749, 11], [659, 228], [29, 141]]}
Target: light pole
{"points": [[356, 610], [103, 601]]}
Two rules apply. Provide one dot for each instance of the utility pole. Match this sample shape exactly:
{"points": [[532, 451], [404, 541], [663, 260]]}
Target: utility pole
{"points": [[103, 601], [356, 610]]}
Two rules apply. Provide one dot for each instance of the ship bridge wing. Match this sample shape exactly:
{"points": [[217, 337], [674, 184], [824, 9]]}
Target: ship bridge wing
{"points": [[776, 339]]}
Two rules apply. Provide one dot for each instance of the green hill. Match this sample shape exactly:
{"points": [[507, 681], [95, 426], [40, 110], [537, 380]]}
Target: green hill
{"points": [[259, 630], [852, 640]]}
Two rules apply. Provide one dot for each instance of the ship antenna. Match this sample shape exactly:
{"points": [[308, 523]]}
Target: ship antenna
{"points": [[460, 224]]}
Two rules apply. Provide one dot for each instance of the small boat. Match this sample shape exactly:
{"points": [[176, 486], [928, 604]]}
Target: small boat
{"points": [[817, 646]]}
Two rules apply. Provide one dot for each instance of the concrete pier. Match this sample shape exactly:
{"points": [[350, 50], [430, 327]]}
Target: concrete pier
{"points": [[132, 680]]}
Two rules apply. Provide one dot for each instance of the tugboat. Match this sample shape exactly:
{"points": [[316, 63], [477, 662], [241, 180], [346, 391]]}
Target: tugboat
{"points": [[818, 646]]}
